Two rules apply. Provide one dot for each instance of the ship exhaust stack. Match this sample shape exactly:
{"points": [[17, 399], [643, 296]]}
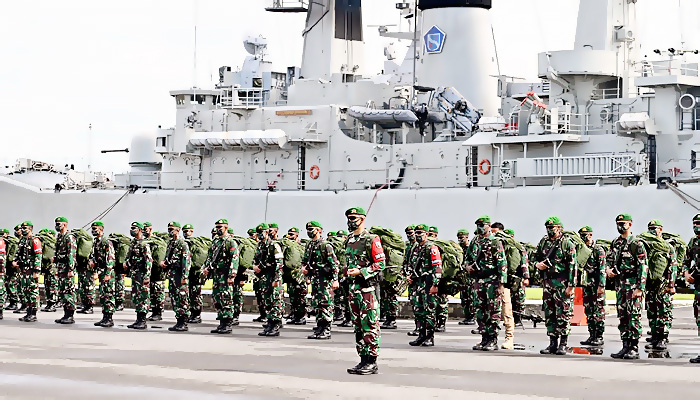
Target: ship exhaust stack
{"points": [[457, 50]]}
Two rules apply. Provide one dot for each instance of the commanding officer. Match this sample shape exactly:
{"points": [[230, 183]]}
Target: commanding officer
{"points": [[268, 262], [628, 263], [65, 260], [138, 264], [658, 294], [222, 263], [428, 268], [556, 258], [365, 260], [321, 265], [594, 289], [177, 264], [29, 256], [102, 260], [486, 261], [467, 295], [195, 281]]}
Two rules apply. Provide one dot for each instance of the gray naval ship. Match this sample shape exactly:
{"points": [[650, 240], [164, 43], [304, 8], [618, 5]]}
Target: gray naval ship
{"points": [[439, 137]]}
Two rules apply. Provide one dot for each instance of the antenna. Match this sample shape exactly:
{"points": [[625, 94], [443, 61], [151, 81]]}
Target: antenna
{"points": [[194, 70]]}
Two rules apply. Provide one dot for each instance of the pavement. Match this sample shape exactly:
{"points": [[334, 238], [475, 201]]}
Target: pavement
{"points": [[45, 360]]}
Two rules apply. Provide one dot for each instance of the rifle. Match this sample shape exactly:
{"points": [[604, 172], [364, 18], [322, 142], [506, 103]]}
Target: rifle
{"points": [[549, 254], [534, 317]]}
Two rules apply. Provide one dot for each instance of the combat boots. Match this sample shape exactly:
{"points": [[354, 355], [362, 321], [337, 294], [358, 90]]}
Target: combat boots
{"points": [[633, 352], [224, 327], [491, 343], [119, 306], [67, 318], [195, 317], [218, 328], [662, 343], [477, 331], [274, 329], [695, 360], [50, 307], [21, 309], [156, 315], [390, 323], [31, 315], [353, 370], [180, 326], [369, 367], [416, 331], [553, 345], [429, 338], [297, 321], [468, 321], [561, 349], [589, 341], [235, 321], [86, 310], [322, 331], [266, 328], [345, 324], [107, 321], [440, 324], [480, 345], [597, 340], [98, 323], [625, 349], [140, 322], [421, 337], [12, 306], [1, 310]]}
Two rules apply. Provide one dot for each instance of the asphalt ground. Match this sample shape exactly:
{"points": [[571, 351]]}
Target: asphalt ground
{"points": [[45, 360]]}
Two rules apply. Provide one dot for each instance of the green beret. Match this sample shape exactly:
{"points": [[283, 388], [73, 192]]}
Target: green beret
{"points": [[98, 223], [313, 224], [330, 234], [147, 224], [293, 229], [28, 223], [421, 227], [342, 233], [696, 217], [43, 230], [61, 219], [174, 224], [262, 227], [433, 229], [18, 227], [509, 232], [586, 229], [51, 231], [623, 217], [188, 226], [136, 224], [273, 225], [410, 228], [463, 232], [355, 211], [484, 219], [553, 221], [3, 230], [230, 230], [251, 231], [222, 221], [655, 222]]}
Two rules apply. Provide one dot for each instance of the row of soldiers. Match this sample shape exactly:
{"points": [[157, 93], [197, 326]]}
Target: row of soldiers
{"points": [[484, 266]]}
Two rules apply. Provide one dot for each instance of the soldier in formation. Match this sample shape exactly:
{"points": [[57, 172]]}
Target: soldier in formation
{"points": [[157, 286], [427, 275], [102, 260], [28, 260], [177, 264], [660, 287], [65, 259], [222, 266], [195, 281], [593, 284], [138, 265], [12, 273], [467, 295], [3, 274], [268, 263], [321, 265]]}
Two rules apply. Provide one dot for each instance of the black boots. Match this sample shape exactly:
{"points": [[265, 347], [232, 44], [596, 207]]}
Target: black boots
{"points": [[180, 326], [195, 317], [272, 329], [21, 309], [390, 323], [416, 331], [597, 340], [119, 306], [140, 322], [561, 349], [322, 331], [491, 343], [467, 321], [422, 335], [50, 307], [369, 367], [590, 339], [553, 346], [695, 360], [429, 338], [297, 321], [633, 350], [12, 306], [345, 324], [480, 346], [1, 310], [363, 361], [106, 321], [86, 310], [156, 315], [224, 326], [440, 324], [67, 318], [31, 315], [621, 353], [658, 342]]}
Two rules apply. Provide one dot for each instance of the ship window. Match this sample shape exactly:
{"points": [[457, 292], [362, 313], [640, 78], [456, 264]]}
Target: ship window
{"points": [[180, 99], [160, 142]]}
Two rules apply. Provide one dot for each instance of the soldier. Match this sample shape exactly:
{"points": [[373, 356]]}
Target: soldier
{"points": [[517, 292], [486, 261], [268, 263], [28, 259], [195, 281], [330, 235], [408, 270], [321, 265], [441, 299], [257, 287], [119, 288], [467, 295], [556, 259], [659, 290], [251, 234], [65, 262], [691, 271], [50, 273], [341, 295], [177, 264], [3, 273], [86, 288], [628, 262], [12, 273], [274, 229], [222, 263], [428, 267], [365, 260], [594, 289], [157, 282], [21, 299], [293, 234], [102, 259], [138, 264], [296, 290]]}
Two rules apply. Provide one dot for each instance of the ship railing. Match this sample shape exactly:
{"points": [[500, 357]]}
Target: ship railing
{"points": [[565, 123], [667, 68], [603, 94], [287, 5], [588, 166], [243, 97]]}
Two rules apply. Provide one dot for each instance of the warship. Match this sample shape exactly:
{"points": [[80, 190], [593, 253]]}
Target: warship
{"points": [[438, 137]]}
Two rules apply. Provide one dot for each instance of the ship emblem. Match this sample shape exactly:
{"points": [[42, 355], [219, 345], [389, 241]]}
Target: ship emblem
{"points": [[434, 40]]}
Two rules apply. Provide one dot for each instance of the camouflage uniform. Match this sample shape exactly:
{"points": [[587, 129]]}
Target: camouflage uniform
{"points": [[157, 286], [297, 292], [428, 266], [388, 300], [222, 264], [467, 295], [119, 289], [65, 261], [410, 259], [139, 262], [517, 290], [491, 269], [86, 285], [3, 273], [659, 303], [691, 264], [12, 273], [320, 260], [51, 284], [102, 255], [560, 256], [593, 303], [269, 258], [629, 258], [177, 264], [29, 257], [364, 251]]}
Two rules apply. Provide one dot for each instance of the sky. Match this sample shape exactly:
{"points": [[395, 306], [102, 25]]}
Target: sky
{"points": [[68, 65]]}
